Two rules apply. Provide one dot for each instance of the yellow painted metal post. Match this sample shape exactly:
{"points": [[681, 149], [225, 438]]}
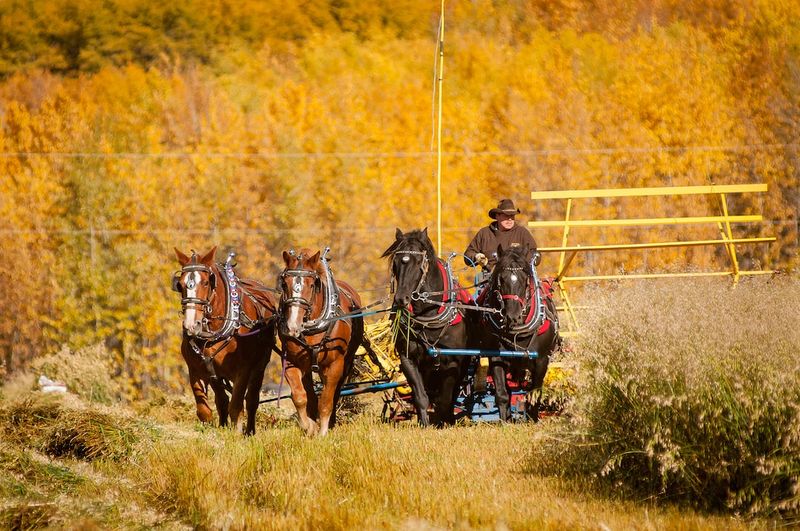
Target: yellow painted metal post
{"points": [[722, 222], [562, 265], [439, 140], [563, 254], [727, 234], [569, 310]]}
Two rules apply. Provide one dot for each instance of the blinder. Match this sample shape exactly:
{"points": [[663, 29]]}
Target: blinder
{"points": [[405, 258], [176, 282]]}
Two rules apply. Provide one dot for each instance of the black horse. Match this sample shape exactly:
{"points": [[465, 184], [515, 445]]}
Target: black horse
{"points": [[426, 316], [526, 321]]}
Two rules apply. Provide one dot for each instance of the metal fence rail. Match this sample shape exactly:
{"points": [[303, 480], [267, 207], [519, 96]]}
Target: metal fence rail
{"points": [[569, 248]]}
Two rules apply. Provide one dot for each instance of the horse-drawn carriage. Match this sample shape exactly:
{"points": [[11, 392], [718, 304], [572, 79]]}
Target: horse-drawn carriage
{"points": [[482, 358]]}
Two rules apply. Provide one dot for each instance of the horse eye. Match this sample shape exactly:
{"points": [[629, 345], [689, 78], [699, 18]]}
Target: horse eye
{"points": [[406, 259]]}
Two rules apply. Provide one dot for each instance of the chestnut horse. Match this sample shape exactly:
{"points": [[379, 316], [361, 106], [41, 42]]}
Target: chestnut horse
{"points": [[316, 336], [228, 336], [526, 321], [424, 322]]}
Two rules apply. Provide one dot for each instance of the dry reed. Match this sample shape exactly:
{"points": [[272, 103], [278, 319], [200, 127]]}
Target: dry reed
{"points": [[689, 391]]}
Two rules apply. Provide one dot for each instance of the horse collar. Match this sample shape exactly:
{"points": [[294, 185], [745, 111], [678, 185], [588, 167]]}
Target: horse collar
{"points": [[535, 319], [232, 306], [447, 314]]}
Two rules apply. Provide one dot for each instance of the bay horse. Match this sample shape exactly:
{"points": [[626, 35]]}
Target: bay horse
{"points": [[526, 321], [423, 323], [228, 335], [316, 335]]}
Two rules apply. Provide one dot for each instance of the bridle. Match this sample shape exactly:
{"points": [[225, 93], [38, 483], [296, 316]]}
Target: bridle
{"points": [[330, 302], [200, 304], [532, 303], [231, 294], [502, 297], [424, 266], [296, 298]]}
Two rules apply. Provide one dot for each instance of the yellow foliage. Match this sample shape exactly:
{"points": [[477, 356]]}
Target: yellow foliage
{"points": [[258, 126]]}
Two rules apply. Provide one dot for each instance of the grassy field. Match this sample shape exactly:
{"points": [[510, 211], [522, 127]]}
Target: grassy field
{"points": [[69, 465], [76, 461]]}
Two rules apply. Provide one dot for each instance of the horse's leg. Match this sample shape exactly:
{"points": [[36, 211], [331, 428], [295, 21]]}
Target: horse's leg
{"points": [[332, 376], [539, 372], [312, 407], [221, 401], [420, 396], [445, 398], [294, 377], [253, 395], [501, 397], [236, 404], [356, 340], [200, 397]]}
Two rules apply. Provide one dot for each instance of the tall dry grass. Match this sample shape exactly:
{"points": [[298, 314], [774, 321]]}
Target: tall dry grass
{"points": [[365, 474], [689, 391], [686, 392]]}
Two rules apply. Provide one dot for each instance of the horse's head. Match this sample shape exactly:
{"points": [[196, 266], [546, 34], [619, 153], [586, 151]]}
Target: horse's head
{"points": [[195, 282], [510, 285], [300, 282], [411, 256]]}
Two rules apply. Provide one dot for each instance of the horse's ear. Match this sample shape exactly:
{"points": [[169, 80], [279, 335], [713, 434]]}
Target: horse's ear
{"points": [[286, 257], [425, 232], [208, 258], [182, 258], [398, 234], [314, 260]]}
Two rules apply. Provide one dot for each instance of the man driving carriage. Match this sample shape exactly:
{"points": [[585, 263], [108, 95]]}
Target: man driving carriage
{"points": [[482, 250]]}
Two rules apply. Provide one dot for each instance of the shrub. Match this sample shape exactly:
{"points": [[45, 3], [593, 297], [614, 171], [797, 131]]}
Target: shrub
{"points": [[690, 391], [86, 372]]}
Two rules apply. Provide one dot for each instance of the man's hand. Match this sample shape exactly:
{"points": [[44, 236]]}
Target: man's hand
{"points": [[481, 259]]}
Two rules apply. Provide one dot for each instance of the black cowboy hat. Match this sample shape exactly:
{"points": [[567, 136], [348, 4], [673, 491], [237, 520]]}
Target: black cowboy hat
{"points": [[505, 206]]}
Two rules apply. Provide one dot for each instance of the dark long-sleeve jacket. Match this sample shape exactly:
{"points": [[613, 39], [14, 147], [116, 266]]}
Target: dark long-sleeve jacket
{"points": [[489, 238]]}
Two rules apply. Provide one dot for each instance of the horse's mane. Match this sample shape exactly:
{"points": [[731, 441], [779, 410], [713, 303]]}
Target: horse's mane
{"points": [[511, 257], [419, 236]]}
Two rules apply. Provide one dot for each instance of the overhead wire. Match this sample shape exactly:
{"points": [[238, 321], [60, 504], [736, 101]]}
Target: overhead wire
{"points": [[400, 154]]}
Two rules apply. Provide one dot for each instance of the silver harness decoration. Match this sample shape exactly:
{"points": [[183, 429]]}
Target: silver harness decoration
{"points": [[450, 312], [231, 320], [528, 328], [328, 289]]}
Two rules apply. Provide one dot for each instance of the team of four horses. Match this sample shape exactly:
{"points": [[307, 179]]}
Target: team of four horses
{"points": [[230, 325]]}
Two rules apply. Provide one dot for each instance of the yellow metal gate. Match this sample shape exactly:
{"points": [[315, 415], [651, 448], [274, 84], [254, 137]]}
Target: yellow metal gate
{"points": [[571, 246]]}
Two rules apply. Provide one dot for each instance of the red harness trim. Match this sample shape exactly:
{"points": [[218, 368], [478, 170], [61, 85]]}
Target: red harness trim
{"points": [[547, 292], [544, 328], [462, 296]]}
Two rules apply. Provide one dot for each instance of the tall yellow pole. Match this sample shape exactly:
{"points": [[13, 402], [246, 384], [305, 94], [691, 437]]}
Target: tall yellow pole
{"points": [[439, 139]]}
